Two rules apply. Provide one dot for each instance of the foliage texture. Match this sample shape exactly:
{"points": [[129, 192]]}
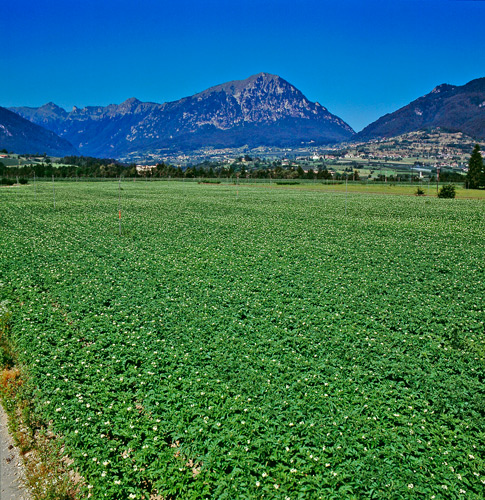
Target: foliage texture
{"points": [[258, 343]]}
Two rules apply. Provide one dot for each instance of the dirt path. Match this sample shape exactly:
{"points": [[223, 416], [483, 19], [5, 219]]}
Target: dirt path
{"points": [[11, 468]]}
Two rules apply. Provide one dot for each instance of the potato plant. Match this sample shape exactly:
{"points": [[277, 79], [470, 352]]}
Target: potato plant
{"points": [[277, 344]]}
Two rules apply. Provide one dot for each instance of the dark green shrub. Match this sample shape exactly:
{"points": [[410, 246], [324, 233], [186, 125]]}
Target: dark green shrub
{"points": [[419, 192], [23, 181], [447, 191], [7, 182]]}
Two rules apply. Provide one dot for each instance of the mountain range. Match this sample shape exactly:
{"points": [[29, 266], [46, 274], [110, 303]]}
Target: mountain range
{"points": [[263, 110]]}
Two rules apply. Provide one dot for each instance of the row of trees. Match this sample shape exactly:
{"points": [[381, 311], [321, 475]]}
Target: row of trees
{"points": [[263, 172], [80, 166], [71, 166]]}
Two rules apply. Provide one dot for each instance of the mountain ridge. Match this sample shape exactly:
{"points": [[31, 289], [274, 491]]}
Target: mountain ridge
{"points": [[22, 136], [453, 107], [263, 109]]}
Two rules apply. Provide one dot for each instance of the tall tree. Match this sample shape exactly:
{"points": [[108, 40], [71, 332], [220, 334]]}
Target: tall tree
{"points": [[475, 169]]}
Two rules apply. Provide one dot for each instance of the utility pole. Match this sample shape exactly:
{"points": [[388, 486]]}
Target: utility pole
{"points": [[437, 178], [346, 191], [119, 204]]}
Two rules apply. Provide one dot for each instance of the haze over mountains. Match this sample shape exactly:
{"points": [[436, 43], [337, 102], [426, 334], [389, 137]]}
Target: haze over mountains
{"points": [[263, 110]]}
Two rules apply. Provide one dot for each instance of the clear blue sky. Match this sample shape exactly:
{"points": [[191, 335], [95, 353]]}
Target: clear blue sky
{"points": [[360, 59]]}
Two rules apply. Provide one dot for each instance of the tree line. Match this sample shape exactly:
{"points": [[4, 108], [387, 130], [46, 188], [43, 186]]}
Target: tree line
{"points": [[89, 167]]}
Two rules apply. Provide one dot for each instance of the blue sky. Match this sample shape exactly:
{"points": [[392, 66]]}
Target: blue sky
{"points": [[360, 59]]}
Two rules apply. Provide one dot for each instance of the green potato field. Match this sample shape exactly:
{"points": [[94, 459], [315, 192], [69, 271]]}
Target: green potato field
{"points": [[251, 342]]}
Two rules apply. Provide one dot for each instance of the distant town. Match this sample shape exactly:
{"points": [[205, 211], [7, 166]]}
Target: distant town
{"points": [[420, 153], [416, 156]]}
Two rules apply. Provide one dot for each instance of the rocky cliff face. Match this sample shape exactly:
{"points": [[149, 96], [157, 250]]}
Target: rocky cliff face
{"points": [[454, 108], [260, 99], [261, 110]]}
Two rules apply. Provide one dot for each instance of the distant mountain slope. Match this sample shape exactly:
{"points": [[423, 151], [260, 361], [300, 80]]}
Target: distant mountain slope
{"points": [[22, 136], [455, 108], [47, 116], [261, 110]]}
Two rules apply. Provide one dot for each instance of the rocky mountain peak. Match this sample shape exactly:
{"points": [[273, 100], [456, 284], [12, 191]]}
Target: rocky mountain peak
{"points": [[260, 83], [130, 103], [261, 98], [263, 109], [50, 106], [444, 87]]}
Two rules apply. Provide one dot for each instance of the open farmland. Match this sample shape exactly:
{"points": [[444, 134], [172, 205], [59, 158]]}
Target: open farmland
{"points": [[251, 342]]}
